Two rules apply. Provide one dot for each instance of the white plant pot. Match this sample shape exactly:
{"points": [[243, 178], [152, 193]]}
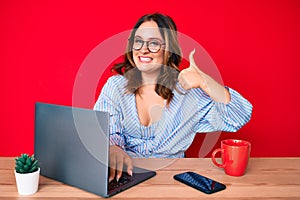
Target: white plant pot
{"points": [[27, 183]]}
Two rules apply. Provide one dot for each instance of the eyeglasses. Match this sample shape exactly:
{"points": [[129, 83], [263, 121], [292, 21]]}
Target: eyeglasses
{"points": [[153, 45]]}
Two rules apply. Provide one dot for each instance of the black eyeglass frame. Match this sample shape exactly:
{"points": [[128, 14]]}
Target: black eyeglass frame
{"points": [[147, 43]]}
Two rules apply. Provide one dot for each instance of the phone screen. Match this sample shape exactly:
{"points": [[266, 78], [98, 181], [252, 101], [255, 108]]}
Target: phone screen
{"points": [[200, 182]]}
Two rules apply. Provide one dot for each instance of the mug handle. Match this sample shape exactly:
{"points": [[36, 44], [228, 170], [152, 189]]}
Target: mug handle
{"points": [[214, 159]]}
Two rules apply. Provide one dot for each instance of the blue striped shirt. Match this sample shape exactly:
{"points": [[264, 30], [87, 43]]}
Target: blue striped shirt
{"points": [[188, 113]]}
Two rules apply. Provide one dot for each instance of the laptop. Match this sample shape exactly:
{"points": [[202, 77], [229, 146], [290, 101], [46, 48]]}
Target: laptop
{"points": [[72, 146]]}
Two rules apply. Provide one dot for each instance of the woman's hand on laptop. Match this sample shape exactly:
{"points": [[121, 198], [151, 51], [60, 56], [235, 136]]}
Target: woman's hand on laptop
{"points": [[117, 159]]}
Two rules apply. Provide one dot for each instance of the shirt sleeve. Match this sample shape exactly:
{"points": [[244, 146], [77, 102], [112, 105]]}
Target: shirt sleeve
{"points": [[108, 102], [224, 117]]}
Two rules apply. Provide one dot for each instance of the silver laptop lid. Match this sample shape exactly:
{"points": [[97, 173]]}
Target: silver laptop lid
{"points": [[72, 146]]}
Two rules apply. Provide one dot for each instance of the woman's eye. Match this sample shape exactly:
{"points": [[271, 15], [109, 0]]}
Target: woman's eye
{"points": [[138, 41], [154, 43]]}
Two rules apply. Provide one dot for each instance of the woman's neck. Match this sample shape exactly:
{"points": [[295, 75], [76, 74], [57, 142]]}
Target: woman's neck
{"points": [[149, 78]]}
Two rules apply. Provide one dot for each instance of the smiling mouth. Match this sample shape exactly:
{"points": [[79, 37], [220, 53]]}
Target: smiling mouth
{"points": [[145, 59]]}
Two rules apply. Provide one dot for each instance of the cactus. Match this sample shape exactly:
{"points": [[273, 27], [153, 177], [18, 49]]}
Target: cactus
{"points": [[26, 164]]}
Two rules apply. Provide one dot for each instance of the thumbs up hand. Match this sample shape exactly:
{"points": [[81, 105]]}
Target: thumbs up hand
{"points": [[191, 77]]}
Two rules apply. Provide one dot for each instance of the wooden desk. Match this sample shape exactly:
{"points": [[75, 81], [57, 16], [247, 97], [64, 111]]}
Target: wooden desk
{"points": [[266, 178]]}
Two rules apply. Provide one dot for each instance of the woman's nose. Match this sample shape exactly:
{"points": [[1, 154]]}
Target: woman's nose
{"points": [[144, 48]]}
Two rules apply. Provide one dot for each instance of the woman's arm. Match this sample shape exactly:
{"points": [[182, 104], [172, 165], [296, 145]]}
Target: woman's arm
{"points": [[224, 108], [217, 116], [108, 102]]}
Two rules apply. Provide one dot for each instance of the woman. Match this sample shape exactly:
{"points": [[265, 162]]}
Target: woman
{"points": [[155, 109]]}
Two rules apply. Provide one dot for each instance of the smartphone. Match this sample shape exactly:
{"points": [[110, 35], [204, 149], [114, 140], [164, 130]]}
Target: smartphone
{"points": [[200, 182]]}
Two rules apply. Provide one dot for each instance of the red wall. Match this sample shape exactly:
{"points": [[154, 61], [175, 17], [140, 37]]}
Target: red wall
{"points": [[255, 45]]}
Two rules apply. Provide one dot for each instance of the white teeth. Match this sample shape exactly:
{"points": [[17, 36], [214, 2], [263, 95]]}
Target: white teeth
{"points": [[145, 59]]}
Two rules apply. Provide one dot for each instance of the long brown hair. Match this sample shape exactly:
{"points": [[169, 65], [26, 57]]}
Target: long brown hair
{"points": [[168, 76]]}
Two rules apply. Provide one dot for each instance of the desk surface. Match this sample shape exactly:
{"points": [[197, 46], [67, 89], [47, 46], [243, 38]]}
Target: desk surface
{"points": [[266, 178]]}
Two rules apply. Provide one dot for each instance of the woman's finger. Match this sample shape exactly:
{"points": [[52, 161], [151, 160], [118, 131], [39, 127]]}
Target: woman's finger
{"points": [[128, 163], [120, 160], [112, 167], [191, 58]]}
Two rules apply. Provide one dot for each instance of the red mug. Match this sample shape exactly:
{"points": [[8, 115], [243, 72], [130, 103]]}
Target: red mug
{"points": [[235, 155]]}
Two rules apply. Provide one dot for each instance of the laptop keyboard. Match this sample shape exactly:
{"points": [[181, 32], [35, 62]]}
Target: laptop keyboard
{"points": [[125, 179]]}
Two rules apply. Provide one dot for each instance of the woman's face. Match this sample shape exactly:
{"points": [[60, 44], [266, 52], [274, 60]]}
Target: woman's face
{"points": [[145, 60]]}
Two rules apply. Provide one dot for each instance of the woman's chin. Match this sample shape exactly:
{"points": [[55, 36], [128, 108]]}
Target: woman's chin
{"points": [[144, 67], [148, 67]]}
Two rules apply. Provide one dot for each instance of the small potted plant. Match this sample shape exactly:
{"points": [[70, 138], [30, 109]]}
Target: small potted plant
{"points": [[27, 173]]}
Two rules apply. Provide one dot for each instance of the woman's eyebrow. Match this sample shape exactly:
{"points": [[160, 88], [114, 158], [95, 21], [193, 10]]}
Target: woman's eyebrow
{"points": [[151, 38]]}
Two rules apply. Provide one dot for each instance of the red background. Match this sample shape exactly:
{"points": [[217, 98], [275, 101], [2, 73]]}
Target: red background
{"points": [[255, 45]]}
